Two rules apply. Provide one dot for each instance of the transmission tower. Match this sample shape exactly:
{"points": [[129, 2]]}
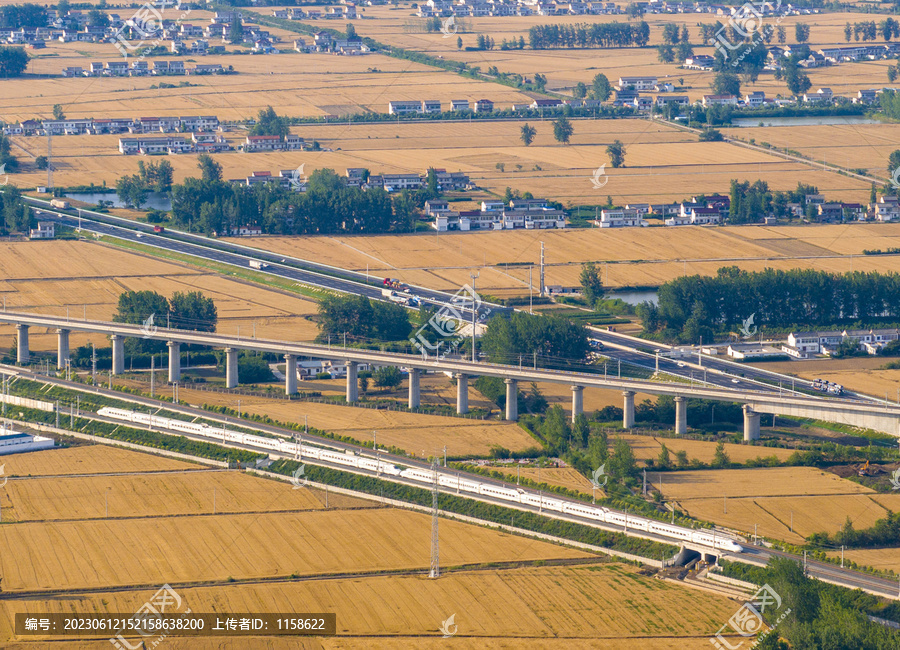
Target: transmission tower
{"points": [[49, 160], [435, 554]]}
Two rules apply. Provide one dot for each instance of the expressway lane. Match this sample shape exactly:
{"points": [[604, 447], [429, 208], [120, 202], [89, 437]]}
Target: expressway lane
{"points": [[724, 375]]}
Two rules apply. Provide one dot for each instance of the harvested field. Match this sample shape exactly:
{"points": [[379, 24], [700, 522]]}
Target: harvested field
{"points": [[886, 559], [659, 157], [96, 275], [567, 477], [811, 514], [410, 431], [149, 495], [605, 606], [817, 501], [757, 482], [89, 459], [646, 447], [636, 257], [247, 546]]}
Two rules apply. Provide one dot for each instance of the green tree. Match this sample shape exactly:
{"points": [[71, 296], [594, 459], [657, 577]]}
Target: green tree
{"points": [[591, 285], [459, 42], [580, 90], [555, 429], [797, 81], [726, 83], [720, 459], [269, 122], [665, 53], [664, 460], [146, 308], [41, 162], [236, 32], [253, 368], [191, 310], [388, 377], [681, 458], [648, 312], [616, 153], [351, 32], [892, 73], [13, 61], [211, 170], [598, 449], [581, 431], [801, 32], [562, 129], [622, 463], [525, 335], [600, 87], [893, 163], [527, 134], [58, 112], [848, 32]]}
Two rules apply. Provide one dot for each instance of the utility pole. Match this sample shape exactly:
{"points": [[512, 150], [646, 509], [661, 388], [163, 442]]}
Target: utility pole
{"points": [[435, 548], [152, 373], [50, 162], [474, 277], [93, 363], [542, 270]]}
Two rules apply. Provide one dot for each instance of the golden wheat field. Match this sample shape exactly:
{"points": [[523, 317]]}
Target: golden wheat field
{"points": [[627, 256], [886, 559], [849, 145], [757, 482], [246, 545], [788, 503], [646, 447], [90, 279], [417, 433], [773, 515], [603, 605], [195, 492], [659, 159], [567, 477], [89, 459]]}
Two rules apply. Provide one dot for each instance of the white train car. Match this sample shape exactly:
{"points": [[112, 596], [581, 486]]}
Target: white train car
{"points": [[448, 481]]}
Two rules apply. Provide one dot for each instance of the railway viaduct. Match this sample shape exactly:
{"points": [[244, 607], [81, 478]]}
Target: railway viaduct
{"points": [[879, 417]]}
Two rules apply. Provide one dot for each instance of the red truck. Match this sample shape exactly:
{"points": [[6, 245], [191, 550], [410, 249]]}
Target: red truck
{"points": [[158, 229]]}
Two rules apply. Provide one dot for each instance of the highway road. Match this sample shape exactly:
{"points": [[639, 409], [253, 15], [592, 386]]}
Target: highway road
{"points": [[725, 374], [752, 553]]}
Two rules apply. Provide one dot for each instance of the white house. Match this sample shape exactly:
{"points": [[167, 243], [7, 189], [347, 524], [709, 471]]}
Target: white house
{"points": [[620, 218]]}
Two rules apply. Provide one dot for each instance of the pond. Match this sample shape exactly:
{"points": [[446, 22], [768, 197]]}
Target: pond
{"points": [[635, 296], [803, 121], [155, 200]]}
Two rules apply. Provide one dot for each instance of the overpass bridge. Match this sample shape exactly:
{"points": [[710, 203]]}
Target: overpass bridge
{"points": [[880, 417]]}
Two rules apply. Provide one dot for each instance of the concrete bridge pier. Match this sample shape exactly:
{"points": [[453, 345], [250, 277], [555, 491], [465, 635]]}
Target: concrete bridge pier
{"points": [[352, 382], [680, 415], [231, 368], [414, 394], [577, 401], [512, 399], [290, 374], [462, 393], [22, 353], [62, 348], [174, 361], [751, 424], [118, 354], [628, 409]]}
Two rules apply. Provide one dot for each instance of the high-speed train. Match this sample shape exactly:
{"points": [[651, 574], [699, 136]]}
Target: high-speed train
{"points": [[452, 482]]}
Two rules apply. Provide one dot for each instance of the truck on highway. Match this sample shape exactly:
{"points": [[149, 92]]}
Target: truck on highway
{"points": [[59, 203], [158, 229], [256, 264], [394, 283], [400, 298]]}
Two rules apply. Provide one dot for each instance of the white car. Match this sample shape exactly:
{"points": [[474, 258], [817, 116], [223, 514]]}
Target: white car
{"points": [[735, 381]]}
